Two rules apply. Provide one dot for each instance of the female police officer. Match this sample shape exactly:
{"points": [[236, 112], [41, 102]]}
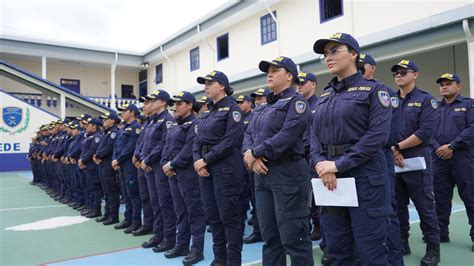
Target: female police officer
{"points": [[276, 155], [349, 129], [217, 160]]}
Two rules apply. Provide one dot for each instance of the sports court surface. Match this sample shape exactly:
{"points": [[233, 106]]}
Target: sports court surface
{"points": [[69, 239]]}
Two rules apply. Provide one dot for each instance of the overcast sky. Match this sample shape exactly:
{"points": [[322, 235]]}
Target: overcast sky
{"points": [[131, 25]]}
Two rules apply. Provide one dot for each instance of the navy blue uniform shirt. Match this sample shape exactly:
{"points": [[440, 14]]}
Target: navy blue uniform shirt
{"points": [[354, 112], [179, 143], [126, 141], [278, 127], [106, 144], [155, 137], [221, 128], [456, 124]]}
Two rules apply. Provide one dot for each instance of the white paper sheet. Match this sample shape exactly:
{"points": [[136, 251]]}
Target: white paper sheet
{"points": [[345, 194], [411, 164]]}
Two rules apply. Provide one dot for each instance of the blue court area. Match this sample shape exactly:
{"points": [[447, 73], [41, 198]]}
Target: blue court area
{"points": [[90, 243]]}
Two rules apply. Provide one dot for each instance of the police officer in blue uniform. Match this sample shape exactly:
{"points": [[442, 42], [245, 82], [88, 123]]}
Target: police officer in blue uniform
{"points": [[154, 141], [216, 155], [276, 155], [151, 188], [88, 149], [349, 128], [108, 176], [122, 161], [418, 122], [453, 153], [202, 104], [72, 157], [307, 83], [177, 162], [368, 67], [260, 96]]}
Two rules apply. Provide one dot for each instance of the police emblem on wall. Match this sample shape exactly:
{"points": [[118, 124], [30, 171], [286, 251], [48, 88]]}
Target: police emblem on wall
{"points": [[12, 117]]}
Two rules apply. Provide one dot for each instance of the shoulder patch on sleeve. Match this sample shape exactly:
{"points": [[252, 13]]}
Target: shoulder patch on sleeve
{"points": [[113, 135], [394, 101], [236, 116], [137, 130], [169, 124], [300, 107], [384, 98], [97, 139], [434, 104], [196, 129]]}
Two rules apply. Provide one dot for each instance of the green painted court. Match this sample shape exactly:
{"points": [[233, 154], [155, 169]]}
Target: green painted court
{"points": [[90, 243]]}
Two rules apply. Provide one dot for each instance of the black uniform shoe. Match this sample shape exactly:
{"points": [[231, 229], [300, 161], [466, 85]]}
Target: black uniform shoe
{"points": [[152, 242], [472, 248], [316, 233], [326, 259], [209, 230], [163, 246], [406, 247], [218, 262], [85, 212], [193, 258], [142, 231], [110, 221], [80, 208], [94, 214], [253, 238], [101, 219], [432, 256], [131, 228], [176, 251], [124, 224]]}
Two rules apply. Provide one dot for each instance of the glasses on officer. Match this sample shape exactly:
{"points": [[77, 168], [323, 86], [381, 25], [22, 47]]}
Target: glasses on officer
{"points": [[402, 72], [332, 52]]}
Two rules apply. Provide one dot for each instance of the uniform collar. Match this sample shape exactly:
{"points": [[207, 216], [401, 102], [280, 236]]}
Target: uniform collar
{"points": [[182, 120], [414, 92], [134, 122], [346, 82], [313, 98], [224, 102], [272, 97], [458, 98]]}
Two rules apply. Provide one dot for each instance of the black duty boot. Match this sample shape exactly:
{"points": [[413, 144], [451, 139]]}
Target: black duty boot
{"points": [[193, 258], [406, 247], [432, 256]]}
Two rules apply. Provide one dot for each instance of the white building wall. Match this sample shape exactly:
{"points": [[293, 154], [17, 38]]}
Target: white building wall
{"points": [[299, 27]]}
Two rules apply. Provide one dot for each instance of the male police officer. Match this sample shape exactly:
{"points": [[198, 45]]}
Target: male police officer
{"points": [[418, 119], [453, 153], [260, 96]]}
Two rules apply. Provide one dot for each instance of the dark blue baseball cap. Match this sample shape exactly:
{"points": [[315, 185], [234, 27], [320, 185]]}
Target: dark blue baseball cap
{"points": [[449, 76], [184, 96], [339, 37], [215, 76], [260, 92], [159, 95], [281, 61], [94, 121], [111, 115], [83, 116], [306, 76], [204, 99], [130, 107], [408, 64], [244, 98], [367, 59], [142, 99]]}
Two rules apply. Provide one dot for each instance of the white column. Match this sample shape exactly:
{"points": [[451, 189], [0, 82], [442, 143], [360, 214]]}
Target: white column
{"points": [[62, 105], [112, 82], [470, 55], [43, 67]]}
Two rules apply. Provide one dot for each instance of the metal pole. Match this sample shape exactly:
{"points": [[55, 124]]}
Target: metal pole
{"points": [[43, 67], [470, 55], [112, 82]]}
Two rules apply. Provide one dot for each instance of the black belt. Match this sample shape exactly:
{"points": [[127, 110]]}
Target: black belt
{"points": [[205, 149], [333, 150], [336, 211]]}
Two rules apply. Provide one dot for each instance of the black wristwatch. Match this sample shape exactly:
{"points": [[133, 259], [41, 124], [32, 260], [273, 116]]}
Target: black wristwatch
{"points": [[450, 146], [397, 146]]}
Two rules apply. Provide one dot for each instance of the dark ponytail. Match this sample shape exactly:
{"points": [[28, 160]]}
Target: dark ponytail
{"points": [[229, 91]]}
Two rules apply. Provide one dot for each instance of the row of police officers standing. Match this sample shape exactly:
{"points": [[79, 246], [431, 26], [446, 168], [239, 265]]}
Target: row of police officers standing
{"points": [[214, 158]]}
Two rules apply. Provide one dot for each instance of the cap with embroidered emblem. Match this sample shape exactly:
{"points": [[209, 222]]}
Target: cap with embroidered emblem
{"points": [[340, 37], [449, 76]]}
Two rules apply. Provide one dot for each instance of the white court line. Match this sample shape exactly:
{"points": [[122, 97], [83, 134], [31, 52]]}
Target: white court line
{"points": [[37, 207], [316, 247], [1, 188]]}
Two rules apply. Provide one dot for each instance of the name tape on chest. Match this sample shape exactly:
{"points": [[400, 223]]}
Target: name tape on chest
{"points": [[359, 88], [414, 104]]}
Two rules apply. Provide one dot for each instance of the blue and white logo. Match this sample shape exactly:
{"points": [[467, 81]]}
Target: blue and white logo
{"points": [[12, 116]]}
